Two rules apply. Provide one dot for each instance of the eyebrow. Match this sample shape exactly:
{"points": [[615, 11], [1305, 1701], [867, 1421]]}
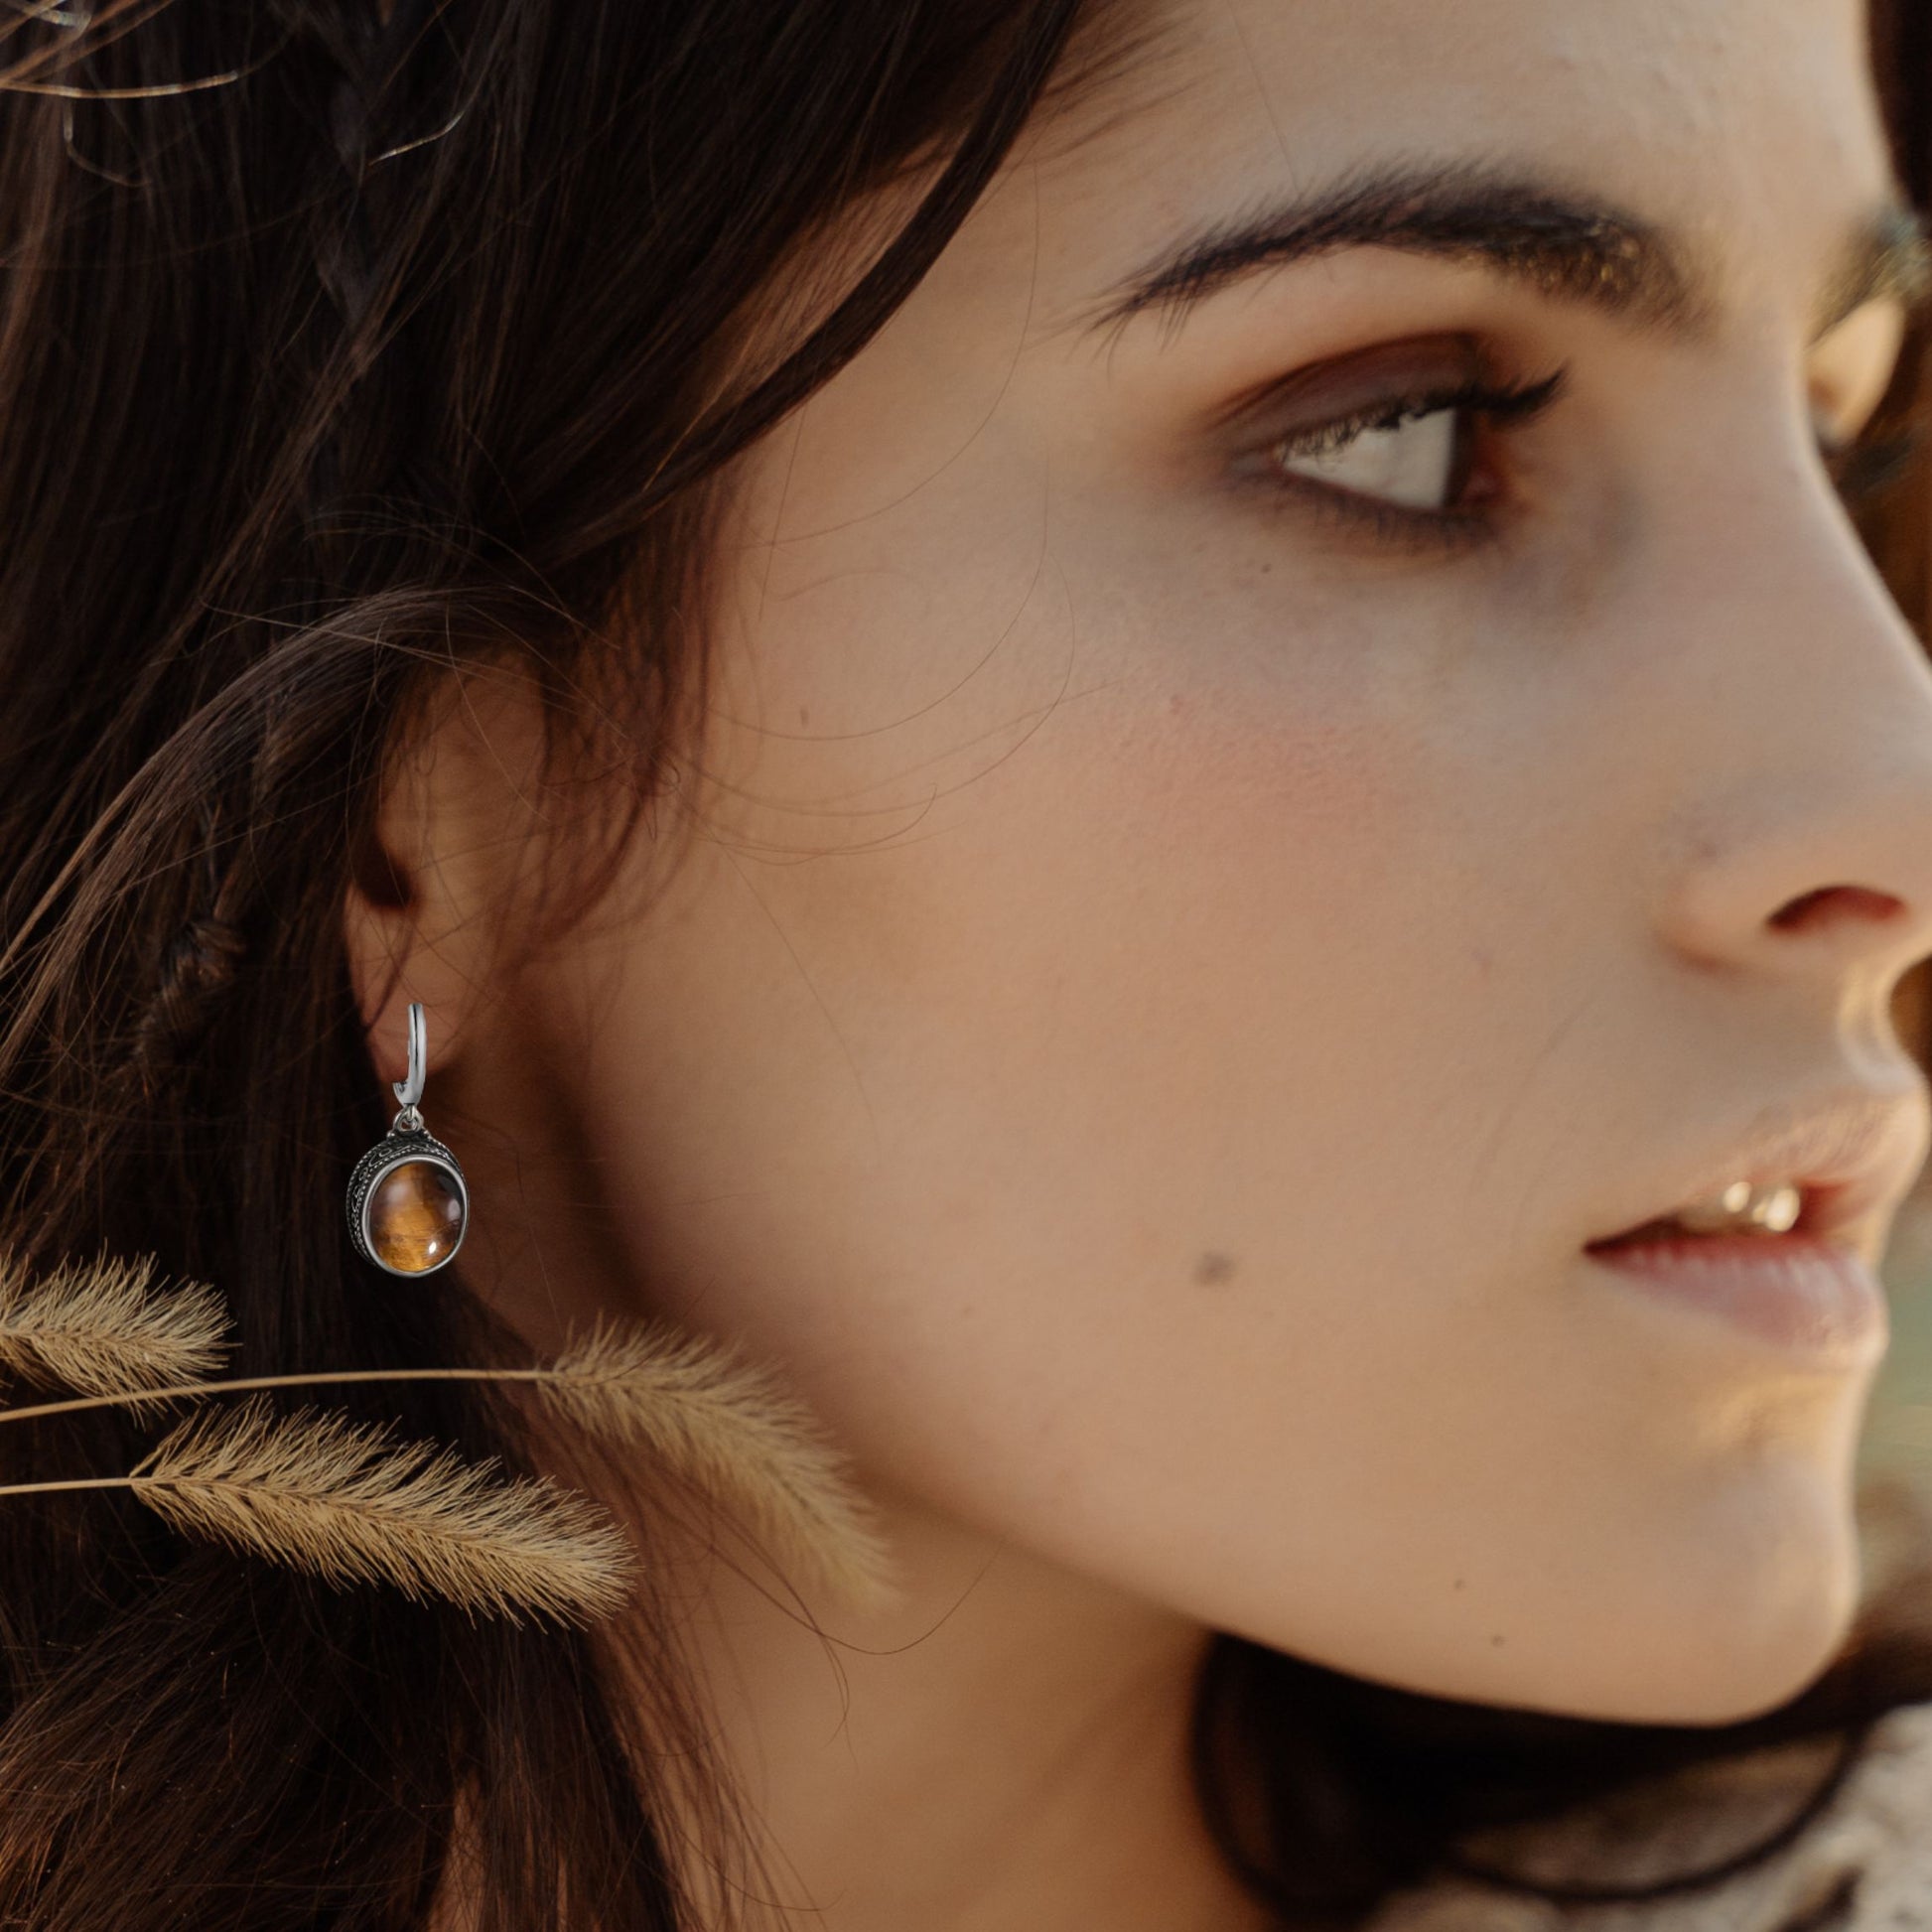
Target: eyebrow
{"points": [[1524, 231]]}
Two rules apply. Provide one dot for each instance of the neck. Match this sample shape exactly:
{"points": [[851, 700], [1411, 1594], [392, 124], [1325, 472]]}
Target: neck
{"points": [[1006, 1745]]}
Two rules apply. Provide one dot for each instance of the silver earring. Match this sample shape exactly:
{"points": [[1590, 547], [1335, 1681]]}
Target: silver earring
{"points": [[408, 1203]]}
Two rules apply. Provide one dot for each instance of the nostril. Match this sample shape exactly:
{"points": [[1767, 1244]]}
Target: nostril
{"points": [[1834, 901]]}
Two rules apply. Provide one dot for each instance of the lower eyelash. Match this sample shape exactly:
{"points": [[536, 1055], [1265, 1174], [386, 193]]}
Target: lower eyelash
{"points": [[1390, 526], [1866, 469]]}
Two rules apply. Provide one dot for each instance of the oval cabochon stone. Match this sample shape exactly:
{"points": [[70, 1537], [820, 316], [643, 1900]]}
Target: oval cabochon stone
{"points": [[415, 1216]]}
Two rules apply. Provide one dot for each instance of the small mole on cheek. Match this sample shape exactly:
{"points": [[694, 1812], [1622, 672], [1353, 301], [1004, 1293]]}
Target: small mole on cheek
{"points": [[1462, 1583], [1497, 1640], [1211, 1270]]}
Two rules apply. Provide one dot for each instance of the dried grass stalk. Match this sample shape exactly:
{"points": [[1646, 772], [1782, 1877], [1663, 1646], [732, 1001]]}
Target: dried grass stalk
{"points": [[724, 1425], [730, 1427], [348, 1502], [102, 1326]]}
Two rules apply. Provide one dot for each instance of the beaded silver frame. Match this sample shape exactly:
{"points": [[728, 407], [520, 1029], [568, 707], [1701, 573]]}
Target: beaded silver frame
{"points": [[399, 1146]]}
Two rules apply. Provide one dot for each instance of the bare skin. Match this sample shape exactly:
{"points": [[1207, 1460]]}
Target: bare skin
{"points": [[1184, 922]]}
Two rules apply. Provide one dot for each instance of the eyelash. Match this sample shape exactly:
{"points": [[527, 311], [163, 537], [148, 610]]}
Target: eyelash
{"points": [[1493, 407], [1863, 471], [1866, 469]]}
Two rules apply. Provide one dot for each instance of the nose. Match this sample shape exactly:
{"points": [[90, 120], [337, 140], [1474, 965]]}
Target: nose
{"points": [[1803, 842]]}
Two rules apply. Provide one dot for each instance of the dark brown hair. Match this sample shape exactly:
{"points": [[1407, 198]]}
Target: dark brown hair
{"points": [[342, 342]]}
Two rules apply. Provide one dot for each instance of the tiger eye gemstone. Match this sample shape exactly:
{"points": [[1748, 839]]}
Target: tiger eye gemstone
{"points": [[415, 1216]]}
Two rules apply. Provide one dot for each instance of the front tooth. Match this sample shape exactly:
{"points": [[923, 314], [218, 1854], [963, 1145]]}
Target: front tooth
{"points": [[1716, 1213], [1777, 1209], [1742, 1206]]}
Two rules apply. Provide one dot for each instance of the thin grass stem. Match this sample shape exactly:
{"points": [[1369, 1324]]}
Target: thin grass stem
{"points": [[71, 1482], [308, 1379]]}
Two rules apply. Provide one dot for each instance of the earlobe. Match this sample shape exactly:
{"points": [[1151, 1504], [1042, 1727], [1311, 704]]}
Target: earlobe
{"points": [[447, 860], [378, 927]]}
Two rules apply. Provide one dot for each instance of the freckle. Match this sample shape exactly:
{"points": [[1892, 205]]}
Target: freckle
{"points": [[1212, 1270], [805, 716], [1497, 1640], [1462, 1583]]}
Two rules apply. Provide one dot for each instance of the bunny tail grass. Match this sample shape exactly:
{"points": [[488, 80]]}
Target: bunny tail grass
{"points": [[346, 1502], [104, 1329], [730, 1429]]}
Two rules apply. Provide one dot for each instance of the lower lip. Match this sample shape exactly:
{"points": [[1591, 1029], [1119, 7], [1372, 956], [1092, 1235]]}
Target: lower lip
{"points": [[1811, 1300]]}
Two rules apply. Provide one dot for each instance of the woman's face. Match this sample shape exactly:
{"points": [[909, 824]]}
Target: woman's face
{"points": [[1232, 840]]}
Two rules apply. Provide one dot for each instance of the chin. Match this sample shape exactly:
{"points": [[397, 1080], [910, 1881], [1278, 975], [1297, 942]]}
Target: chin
{"points": [[1728, 1631], [1718, 1685], [1705, 1616]]}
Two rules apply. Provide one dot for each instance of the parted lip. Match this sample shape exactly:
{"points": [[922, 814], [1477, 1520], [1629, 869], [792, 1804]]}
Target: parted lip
{"points": [[1853, 1153]]}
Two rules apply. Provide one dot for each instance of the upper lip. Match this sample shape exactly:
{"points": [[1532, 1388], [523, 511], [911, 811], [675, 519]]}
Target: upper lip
{"points": [[1852, 1155]]}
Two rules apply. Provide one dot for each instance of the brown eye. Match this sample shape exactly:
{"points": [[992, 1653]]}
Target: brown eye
{"points": [[1417, 455], [1419, 461]]}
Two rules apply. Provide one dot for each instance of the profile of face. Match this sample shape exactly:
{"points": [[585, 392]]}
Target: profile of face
{"points": [[1254, 799]]}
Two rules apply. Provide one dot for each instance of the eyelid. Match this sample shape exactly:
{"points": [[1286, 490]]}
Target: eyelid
{"points": [[1497, 403], [1408, 383], [1338, 386]]}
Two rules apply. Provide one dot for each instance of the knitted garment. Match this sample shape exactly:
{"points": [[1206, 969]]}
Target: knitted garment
{"points": [[1864, 1865]]}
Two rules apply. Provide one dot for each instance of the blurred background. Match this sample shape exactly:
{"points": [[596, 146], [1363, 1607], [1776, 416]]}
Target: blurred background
{"points": [[1898, 1433]]}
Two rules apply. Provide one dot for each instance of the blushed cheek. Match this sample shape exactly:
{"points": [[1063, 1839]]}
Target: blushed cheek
{"points": [[1173, 923], [1196, 806], [1130, 924], [1278, 794], [1256, 722], [1254, 787]]}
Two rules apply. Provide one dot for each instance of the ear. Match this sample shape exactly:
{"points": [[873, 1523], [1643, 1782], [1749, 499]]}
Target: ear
{"points": [[456, 846]]}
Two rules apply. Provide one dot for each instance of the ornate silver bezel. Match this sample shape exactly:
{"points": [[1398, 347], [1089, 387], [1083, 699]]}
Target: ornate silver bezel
{"points": [[398, 1147]]}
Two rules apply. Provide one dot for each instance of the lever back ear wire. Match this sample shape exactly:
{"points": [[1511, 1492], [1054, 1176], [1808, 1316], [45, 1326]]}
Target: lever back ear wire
{"points": [[409, 1089], [408, 1203]]}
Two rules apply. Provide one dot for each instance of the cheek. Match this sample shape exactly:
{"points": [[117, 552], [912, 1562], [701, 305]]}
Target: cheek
{"points": [[1126, 917], [1196, 932], [1159, 1141], [1126, 967], [1168, 875], [1147, 1010]]}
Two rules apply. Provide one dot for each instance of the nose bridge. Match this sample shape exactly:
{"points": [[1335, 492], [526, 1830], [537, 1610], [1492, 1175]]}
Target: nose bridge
{"points": [[1804, 834]]}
